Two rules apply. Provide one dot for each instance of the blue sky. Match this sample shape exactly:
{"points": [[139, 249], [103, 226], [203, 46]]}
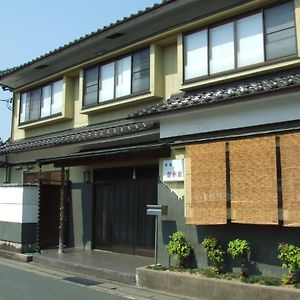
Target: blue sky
{"points": [[30, 28]]}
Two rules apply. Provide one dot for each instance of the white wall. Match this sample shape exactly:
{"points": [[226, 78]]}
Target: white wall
{"points": [[264, 110], [19, 204]]}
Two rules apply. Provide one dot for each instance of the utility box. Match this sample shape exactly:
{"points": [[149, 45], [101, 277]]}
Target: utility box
{"points": [[157, 210]]}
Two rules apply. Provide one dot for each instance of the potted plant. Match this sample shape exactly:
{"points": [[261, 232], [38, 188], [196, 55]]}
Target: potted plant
{"points": [[215, 253], [179, 248], [240, 249]]}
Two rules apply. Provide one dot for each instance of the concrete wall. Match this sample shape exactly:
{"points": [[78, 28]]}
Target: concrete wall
{"points": [[263, 239], [81, 216], [18, 217]]}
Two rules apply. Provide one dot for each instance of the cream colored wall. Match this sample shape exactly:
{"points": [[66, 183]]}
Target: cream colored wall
{"points": [[2, 175], [16, 176], [170, 70]]}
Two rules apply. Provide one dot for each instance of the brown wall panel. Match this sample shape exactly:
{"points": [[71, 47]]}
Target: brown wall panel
{"points": [[253, 180], [206, 184], [290, 173]]}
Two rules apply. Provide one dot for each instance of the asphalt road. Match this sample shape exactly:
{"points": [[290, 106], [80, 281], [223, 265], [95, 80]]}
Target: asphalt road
{"points": [[27, 281], [18, 284]]}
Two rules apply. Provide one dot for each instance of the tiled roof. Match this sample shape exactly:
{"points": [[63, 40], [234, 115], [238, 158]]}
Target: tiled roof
{"points": [[89, 133], [222, 94], [87, 36]]}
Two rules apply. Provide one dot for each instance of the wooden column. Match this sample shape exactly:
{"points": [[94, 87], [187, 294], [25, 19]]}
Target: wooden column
{"points": [[62, 213]]}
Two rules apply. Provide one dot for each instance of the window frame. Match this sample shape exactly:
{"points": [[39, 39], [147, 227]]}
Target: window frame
{"points": [[236, 68], [114, 61], [40, 89]]}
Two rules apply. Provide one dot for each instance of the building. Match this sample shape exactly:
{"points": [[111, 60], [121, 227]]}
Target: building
{"points": [[190, 104]]}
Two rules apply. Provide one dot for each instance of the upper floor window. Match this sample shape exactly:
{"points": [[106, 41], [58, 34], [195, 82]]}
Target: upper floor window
{"points": [[41, 102], [119, 78], [263, 36]]}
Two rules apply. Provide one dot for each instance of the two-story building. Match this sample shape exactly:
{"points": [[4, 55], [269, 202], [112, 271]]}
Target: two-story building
{"points": [[190, 104]]}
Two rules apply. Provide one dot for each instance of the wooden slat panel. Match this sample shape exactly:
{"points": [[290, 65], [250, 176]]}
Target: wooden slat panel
{"points": [[206, 184], [253, 178], [290, 173]]}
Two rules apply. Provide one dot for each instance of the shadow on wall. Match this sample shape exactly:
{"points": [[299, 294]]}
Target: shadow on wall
{"points": [[263, 239]]}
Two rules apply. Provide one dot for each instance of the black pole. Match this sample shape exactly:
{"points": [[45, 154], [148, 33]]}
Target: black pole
{"points": [[62, 213]]}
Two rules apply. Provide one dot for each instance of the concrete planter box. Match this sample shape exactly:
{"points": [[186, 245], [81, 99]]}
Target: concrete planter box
{"points": [[210, 289]]}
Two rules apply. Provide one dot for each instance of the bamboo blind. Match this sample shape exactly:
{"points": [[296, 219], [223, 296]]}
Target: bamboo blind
{"points": [[290, 174], [206, 184], [253, 180]]}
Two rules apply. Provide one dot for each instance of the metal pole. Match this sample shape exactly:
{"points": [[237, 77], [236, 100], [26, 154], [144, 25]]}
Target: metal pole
{"points": [[62, 212], [156, 239]]}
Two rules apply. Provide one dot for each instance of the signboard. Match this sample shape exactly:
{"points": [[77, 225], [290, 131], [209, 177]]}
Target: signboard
{"points": [[173, 170]]}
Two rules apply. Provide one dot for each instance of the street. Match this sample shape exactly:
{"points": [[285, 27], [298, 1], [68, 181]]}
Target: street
{"points": [[20, 281]]}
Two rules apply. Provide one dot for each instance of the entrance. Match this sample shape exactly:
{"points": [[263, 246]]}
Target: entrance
{"points": [[121, 196]]}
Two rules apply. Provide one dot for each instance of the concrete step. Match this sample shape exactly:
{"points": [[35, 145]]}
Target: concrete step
{"points": [[16, 256], [113, 275]]}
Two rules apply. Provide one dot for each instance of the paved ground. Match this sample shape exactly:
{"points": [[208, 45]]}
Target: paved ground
{"points": [[20, 281]]}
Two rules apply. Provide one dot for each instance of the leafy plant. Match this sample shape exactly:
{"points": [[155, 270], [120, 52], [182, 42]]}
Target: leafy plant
{"points": [[264, 280], [289, 256], [240, 249], [179, 248], [214, 252]]}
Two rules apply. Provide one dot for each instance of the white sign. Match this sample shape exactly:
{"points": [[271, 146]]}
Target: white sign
{"points": [[173, 170]]}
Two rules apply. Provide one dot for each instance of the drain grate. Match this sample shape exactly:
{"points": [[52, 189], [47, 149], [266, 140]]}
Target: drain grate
{"points": [[82, 281]]}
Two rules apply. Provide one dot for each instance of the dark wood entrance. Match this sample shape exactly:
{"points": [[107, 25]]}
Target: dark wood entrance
{"points": [[121, 196]]}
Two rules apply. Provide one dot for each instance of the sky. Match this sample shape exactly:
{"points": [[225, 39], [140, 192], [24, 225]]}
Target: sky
{"points": [[30, 28]]}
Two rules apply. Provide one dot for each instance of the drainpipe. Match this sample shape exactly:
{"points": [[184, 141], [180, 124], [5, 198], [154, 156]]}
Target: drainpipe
{"points": [[62, 213]]}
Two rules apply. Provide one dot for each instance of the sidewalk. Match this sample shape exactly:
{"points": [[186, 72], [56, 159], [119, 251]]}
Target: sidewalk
{"points": [[100, 264]]}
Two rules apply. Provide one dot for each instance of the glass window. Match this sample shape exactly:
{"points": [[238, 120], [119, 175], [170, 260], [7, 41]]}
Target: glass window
{"points": [[24, 108], [246, 41], [141, 71], [35, 96], [280, 31], [57, 90], [250, 40], [123, 77], [91, 86], [221, 48], [107, 82], [196, 59], [46, 101]]}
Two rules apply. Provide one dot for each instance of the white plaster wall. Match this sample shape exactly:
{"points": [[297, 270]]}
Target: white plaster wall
{"points": [[18, 204], [264, 110]]}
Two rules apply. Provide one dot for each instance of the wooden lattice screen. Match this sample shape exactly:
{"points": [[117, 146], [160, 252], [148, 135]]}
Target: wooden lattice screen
{"points": [[253, 181], [290, 174], [206, 184]]}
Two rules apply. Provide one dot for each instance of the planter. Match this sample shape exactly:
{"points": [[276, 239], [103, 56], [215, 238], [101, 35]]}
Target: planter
{"points": [[210, 289]]}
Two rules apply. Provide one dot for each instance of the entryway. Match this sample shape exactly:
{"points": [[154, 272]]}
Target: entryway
{"points": [[120, 220]]}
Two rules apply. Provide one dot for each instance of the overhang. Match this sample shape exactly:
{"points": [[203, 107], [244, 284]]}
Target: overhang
{"points": [[145, 24], [92, 157]]}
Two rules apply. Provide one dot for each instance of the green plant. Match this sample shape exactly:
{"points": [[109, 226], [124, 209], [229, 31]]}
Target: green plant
{"points": [[179, 248], [214, 252], [240, 249], [264, 280], [289, 256]]}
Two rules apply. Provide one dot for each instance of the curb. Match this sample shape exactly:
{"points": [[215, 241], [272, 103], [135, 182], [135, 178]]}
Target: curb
{"points": [[16, 256]]}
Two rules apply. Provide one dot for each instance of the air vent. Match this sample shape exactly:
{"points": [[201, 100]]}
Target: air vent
{"points": [[41, 67], [115, 35]]}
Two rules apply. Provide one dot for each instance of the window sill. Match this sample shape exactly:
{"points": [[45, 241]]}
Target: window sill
{"points": [[240, 73], [111, 104], [37, 123]]}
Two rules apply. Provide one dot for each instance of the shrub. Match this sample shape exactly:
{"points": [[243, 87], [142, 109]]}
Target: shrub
{"points": [[289, 256], [264, 280], [240, 249], [214, 252], [179, 248]]}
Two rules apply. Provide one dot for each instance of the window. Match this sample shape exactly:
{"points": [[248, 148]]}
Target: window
{"points": [[122, 77], [41, 102], [262, 36]]}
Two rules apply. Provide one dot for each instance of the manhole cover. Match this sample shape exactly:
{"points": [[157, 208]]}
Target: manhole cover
{"points": [[82, 281]]}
